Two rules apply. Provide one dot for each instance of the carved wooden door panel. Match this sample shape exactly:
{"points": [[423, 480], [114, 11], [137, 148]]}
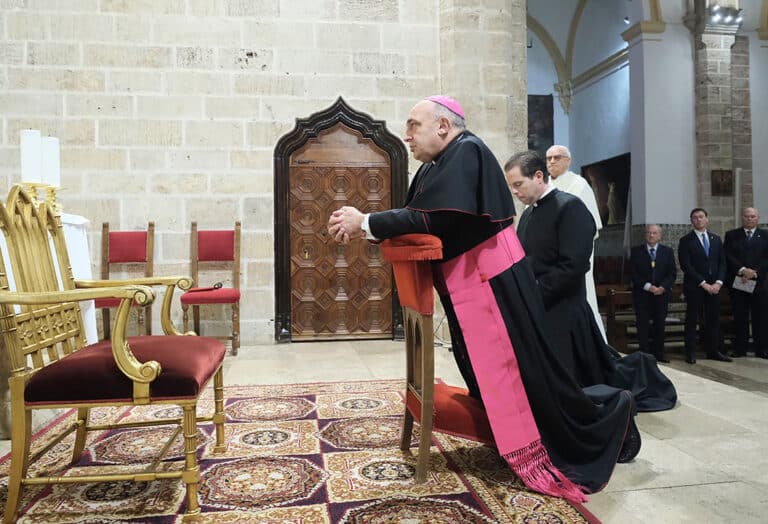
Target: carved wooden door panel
{"points": [[337, 291]]}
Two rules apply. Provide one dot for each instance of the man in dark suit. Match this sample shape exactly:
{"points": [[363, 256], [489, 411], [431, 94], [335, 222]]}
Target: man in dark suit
{"points": [[653, 274], [702, 259], [746, 252]]}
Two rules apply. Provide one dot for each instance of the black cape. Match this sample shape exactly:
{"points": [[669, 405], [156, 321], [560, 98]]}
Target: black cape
{"points": [[556, 234], [445, 184]]}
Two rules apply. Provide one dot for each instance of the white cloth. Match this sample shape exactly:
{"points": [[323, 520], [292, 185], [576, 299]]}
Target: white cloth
{"points": [[576, 185], [367, 228], [76, 234]]}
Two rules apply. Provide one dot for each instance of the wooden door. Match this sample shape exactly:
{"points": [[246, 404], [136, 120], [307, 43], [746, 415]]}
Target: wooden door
{"points": [[337, 291]]}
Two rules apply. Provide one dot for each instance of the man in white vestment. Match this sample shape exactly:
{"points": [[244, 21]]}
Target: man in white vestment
{"points": [[558, 162]]}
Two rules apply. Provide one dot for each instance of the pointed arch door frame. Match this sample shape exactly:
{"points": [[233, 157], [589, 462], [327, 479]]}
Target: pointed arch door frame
{"points": [[304, 130]]}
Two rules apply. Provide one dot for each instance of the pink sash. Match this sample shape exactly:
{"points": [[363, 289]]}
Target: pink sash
{"points": [[466, 279]]}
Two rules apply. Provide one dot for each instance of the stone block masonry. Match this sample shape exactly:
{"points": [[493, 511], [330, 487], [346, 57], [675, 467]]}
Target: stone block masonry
{"points": [[169, 110]]}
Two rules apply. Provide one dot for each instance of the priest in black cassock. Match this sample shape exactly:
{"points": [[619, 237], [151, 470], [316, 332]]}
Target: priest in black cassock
{"points": [[556, 231], [559, 439]]}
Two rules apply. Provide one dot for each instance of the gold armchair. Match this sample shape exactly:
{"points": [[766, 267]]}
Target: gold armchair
{"points": [[52, 367]]}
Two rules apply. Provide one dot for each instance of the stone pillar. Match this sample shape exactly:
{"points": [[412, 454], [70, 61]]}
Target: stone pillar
{"points": [[722, 114], [742, 117], [483, 65]]}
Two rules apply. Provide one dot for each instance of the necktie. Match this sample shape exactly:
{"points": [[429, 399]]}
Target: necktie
{"points": [[705, 242], [652, 252], [749, 235]]}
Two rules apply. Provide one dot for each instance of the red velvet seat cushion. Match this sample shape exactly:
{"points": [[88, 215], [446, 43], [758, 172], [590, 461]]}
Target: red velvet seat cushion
{"points": [[91, 374], [223, 295], [109, 302], [456, 413]]}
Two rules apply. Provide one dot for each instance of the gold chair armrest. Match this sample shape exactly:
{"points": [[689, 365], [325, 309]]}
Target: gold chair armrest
{"points": [[140, 294], [182, 282], [141, 373], [172, 282]]}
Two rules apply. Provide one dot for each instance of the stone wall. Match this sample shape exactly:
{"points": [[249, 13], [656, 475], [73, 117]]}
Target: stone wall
{"points": [[169, 110]]}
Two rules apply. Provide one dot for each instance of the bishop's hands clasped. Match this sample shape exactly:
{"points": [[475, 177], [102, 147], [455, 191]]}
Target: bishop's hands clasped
{"points": [[345, 224]]}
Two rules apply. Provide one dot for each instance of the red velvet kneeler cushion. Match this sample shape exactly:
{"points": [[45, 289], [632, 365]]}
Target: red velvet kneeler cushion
{"points": [[91, 374], [410, 256], [455, 413]]}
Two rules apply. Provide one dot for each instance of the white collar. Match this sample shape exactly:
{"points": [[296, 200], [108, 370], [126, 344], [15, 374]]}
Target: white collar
{"points": [[547, 191]]}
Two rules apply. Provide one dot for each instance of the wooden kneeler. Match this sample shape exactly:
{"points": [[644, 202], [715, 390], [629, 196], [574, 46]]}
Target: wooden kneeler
{"points": [[410, 256]]}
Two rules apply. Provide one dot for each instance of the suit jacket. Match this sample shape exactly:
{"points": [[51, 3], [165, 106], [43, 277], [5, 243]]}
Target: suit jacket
{"points": [[663, 274], [740, 253], [696, 265]]}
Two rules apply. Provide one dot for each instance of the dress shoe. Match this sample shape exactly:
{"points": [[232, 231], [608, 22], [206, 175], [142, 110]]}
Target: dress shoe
{"points": [[738, 355], [720, 357], [662, 359], [690, 360]]}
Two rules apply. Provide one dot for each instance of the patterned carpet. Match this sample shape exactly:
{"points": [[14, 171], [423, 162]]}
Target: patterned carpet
{"points": [[303, 453]]}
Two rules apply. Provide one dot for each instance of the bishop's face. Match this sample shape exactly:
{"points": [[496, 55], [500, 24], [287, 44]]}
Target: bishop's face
{"points": [[527, 190], [423, 132]]}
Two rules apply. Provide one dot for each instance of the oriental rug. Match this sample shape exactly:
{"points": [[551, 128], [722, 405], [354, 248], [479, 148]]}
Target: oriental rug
{"points": [[301, 453]]}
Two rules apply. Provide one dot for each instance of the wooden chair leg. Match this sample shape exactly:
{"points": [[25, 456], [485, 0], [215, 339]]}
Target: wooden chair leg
{"points": [[196, 319], [21, 435], [218, 414], [191, 475], [185, 316], [80, 434], [235, 327], [422, 463], [106, 324]]}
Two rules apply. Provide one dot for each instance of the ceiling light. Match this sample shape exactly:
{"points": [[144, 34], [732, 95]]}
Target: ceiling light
{"points": [[626, 20], [716, 18], [715, 8]]}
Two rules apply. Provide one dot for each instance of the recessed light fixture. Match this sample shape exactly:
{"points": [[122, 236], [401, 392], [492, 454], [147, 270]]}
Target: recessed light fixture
{"points": [[626, 20], [725, 15]]}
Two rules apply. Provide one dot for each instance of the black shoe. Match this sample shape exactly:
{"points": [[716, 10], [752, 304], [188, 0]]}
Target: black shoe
{"points": [[662, 359], [761, 355], [690, 360], [738, 355], [720, 357]]}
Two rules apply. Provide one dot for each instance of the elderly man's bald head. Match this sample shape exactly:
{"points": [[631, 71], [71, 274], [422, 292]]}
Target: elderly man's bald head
{"points": [[750, 218], [558, 160], [430, 128], [652, 234]]}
